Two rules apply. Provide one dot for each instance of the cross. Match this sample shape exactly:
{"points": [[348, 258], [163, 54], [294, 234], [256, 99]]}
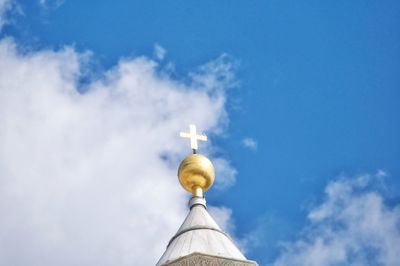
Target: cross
{"points": [[193, 136]]}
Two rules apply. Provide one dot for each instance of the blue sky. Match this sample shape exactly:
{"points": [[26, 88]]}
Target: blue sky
{"points": [[318, 90]]}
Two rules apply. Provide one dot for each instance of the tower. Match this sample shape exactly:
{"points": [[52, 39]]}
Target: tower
{"points": [[199, 240]]}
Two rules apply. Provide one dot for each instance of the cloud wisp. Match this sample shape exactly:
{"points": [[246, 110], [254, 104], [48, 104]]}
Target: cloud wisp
{"points": [[5, 5], [352, 226], [250, 143], [51, 4], [159, 52], [90, 178]]}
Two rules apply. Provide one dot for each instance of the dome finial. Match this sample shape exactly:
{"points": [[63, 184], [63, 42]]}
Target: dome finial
{"points": [[196, 172]]}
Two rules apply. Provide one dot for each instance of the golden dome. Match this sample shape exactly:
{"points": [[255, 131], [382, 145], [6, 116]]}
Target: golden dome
{"points": [[196, 174]]}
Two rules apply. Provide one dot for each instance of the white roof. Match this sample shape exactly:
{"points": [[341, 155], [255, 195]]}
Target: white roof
{"points": [[200, 233]]}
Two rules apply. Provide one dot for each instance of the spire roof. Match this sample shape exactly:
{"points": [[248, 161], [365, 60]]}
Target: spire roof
{"points": [[199, 233], [199, 240]]}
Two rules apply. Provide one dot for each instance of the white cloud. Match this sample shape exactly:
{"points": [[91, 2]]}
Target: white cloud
{"points": [[352, 226], [90, 178], [250, 143], [226, 174]]}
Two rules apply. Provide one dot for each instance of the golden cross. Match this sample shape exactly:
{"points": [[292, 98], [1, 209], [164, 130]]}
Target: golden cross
{"points": [[193, 136]]}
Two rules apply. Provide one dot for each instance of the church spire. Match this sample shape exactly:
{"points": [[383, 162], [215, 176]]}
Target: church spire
{"points": [[199, 240]]}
